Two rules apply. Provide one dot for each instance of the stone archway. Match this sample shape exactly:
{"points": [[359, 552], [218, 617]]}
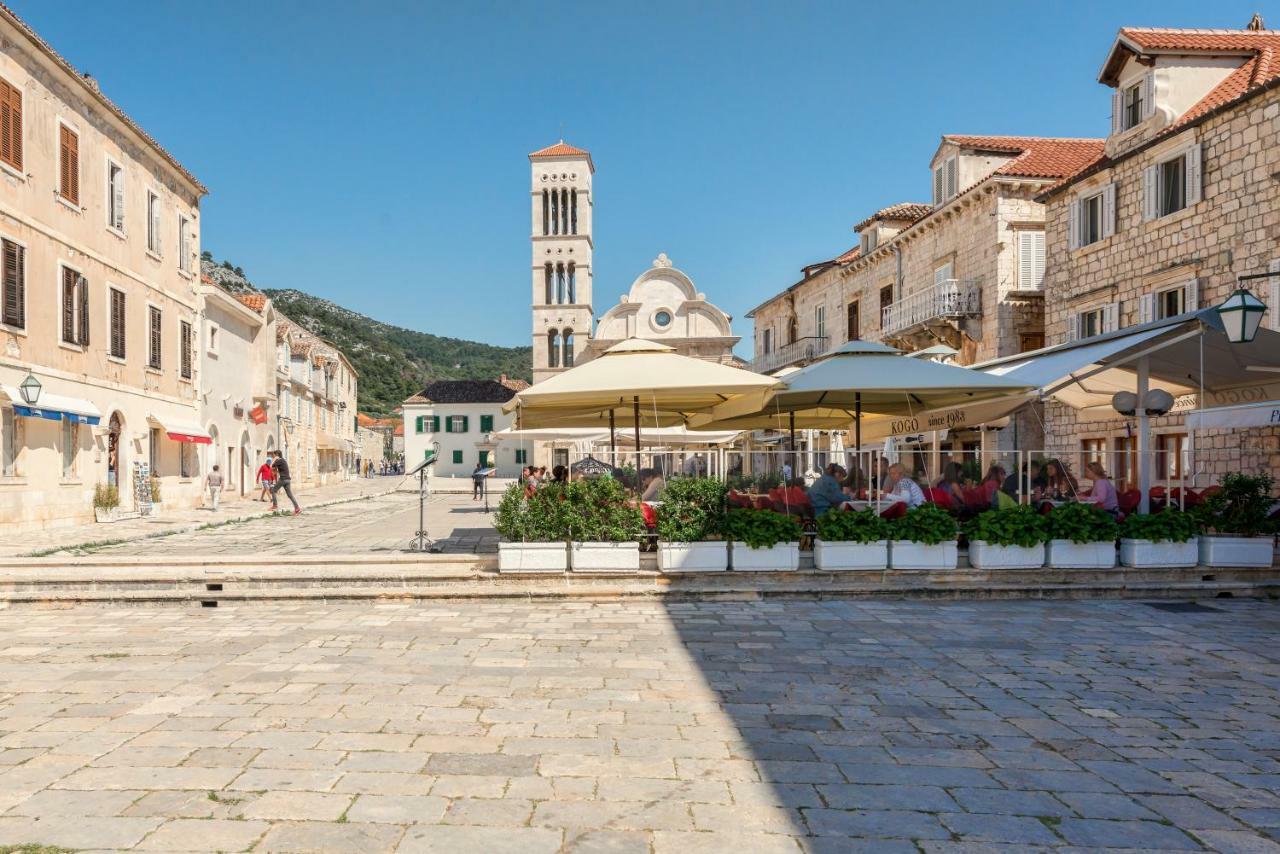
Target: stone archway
{"points": [[117, 465]]}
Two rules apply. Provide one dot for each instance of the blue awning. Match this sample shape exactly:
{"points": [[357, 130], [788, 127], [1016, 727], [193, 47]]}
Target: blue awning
{"points": [[55, 415], [54, 407]]}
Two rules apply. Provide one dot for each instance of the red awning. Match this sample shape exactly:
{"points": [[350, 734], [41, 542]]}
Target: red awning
{"points": [[187, 437], [181, 431]]}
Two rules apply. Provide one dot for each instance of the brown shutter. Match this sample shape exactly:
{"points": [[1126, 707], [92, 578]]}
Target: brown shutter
{"points": [[82, 284], [15, 283], [117, 324], [10, 125], [186, 349], [68, 305], [154, 355], [69, 164]]}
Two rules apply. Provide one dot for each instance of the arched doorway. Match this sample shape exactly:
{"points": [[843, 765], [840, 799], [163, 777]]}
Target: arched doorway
{"points": [[115, 457]]}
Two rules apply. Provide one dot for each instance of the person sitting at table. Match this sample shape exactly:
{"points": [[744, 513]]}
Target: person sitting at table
{"points": [[826, 492], [856, 480], [1058, 481], [992, 482], [1103, 491], [902, 488], [950, 482], [651, 485], [1028, 481]]}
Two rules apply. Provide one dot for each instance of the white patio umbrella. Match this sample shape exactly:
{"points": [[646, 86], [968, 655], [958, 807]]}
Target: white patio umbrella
{"points": [[635, 383]]}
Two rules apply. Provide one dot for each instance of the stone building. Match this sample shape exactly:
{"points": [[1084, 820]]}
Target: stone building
{"points": [[964, 271], [458, 418], [1183, 199], [99, 246], [316, 422], [663, 304]]}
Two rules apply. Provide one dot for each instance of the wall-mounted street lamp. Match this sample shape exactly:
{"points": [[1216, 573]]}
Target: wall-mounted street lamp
{"points": [[1242, 312], [30, 390]]}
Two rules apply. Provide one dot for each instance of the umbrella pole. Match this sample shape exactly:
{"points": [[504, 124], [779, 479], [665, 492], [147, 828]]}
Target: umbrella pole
{"points": [[795, 455], [613, 441], [635, 402], [857, 422]]}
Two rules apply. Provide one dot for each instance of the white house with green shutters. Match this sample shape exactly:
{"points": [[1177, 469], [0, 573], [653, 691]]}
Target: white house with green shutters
{"points": [[457, 418]]}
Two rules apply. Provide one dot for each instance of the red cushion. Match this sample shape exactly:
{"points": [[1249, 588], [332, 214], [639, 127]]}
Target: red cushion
{"points": [[1157, 492], [938, 495], [896, 510], [650, 515], [1128, 500]]}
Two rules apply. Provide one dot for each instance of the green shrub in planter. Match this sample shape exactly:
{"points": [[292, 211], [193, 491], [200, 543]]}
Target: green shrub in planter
{"points": [[692, 510], [1240, 507], [106, 496], [1170, 524], [597, 511], [1013, 526], [761, 529], [1081, 522], [542, 518], [861, 526], [928, 524]]}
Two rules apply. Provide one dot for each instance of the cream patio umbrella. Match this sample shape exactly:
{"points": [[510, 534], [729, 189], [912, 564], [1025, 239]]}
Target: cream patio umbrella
{"points": [[861, 376], [635, 383]]}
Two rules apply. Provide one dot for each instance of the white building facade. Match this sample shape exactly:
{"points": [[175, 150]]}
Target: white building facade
{"points": [[457, 419]]}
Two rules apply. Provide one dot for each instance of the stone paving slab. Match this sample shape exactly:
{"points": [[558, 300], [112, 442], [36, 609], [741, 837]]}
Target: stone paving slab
{"points": [[797, 726]]}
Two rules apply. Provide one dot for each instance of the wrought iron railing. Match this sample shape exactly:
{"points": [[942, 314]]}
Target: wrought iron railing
{"points": [[950, 298], [800, 350]]}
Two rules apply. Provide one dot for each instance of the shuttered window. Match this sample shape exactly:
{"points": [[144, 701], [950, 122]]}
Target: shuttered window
{"points": [[1030, 260], [117, 323], [153, 222], [68, 164], [14, 282], [154, 337], [184, 244], [486, 423], [184, 339], [75, 308], [115, 195], [11, 125]]}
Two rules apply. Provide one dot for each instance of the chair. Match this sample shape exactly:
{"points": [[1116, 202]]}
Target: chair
{"points": [[1128, 500], [896, 510], [938, 495]]}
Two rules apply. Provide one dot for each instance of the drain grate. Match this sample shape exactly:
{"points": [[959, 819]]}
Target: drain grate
{"points": [[1183, 607]]}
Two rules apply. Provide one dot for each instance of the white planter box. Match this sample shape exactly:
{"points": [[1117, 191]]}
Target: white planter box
{"points": [[533, 557], [1150, 554], [1225, 550], [1064, 554], [693, 557], [983, 555], [784, 557], [605, 557], [836, 556], [904, 554]]}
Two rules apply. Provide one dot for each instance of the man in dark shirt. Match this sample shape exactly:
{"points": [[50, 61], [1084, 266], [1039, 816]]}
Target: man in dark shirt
{"points": [[282, 481]]}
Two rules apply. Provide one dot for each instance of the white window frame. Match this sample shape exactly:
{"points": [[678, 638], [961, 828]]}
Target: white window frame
{"points": [[820, 321], [868, 241], [946, 180], [155, 223], [211, 338], [114, 212], [1104, 200], [457, 424], [1035, 280], [184, 244], [1153, 178], [1107, 315], [944, 272], [76, 306]]}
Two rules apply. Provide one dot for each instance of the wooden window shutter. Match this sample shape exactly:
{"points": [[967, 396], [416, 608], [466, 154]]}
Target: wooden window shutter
{"points": [[154, 357], [1146, 308], [117, 195], [185, 345], [1111, 317], [15, 285], [1148, 95], [448, 425], [1150, 195], [1109, 210], [953, 176], [1073, 327], [1073, 224], [418, 424], [1273, 303], [117, 324], [11, 125], [938, 185], [1117, 112], [1026, 250], [1191, 296], [68, 305], [435, 423], [1195, 181], [82, 288], [69, 164]]}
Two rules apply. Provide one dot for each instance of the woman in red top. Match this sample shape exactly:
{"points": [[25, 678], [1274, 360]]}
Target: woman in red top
{"points": [[266, 476]]}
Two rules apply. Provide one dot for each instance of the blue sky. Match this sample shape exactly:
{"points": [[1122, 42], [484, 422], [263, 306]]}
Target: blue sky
{"points": [[375, 153]]}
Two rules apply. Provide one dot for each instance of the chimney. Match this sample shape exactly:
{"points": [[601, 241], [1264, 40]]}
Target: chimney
{"points": [[1255, 23]]}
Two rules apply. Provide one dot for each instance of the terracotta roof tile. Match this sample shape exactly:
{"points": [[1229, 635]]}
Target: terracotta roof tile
{"points": [[514, 385], [561, 149], [1037, 156], [848, 256], [254, 301], [901, 212], [96, 93], [1164, 39]]}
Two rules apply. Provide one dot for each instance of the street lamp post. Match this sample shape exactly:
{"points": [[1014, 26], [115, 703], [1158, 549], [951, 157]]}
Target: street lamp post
{"points": [[1242, 312]]}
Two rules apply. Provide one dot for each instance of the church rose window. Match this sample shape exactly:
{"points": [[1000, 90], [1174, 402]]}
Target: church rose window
{"points": [[662, 318]]}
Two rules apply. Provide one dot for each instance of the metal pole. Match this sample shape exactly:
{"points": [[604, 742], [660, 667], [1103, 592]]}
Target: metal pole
{"points": [[635, 402], [795, 454], [857, 422], [613, 441], [1144, 436], [422, 504]]}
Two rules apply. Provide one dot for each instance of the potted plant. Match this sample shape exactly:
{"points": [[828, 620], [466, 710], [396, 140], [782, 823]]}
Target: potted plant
{"points": [[851, 540], [1237, 519], [763, 540], [1164, 539], [1081, 536], [532, 530], [604, 529], [1012, 538], [691, 526], [106, 502], [924, 538]]}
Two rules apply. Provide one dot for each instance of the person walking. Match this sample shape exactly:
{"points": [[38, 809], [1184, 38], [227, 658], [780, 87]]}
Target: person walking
{"points": [[213, 483], [282, 481], [477, 482], [266, 475]]}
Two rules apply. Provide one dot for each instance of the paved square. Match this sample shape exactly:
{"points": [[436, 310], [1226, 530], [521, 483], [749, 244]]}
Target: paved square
{"points": [[738, 727]]}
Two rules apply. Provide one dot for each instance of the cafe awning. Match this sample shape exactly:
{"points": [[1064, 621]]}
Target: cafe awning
{"points": [[54, 407], [1265, 414], [181, 431]]}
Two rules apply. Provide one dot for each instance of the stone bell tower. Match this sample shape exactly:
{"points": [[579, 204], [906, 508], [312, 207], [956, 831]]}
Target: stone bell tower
{"points": [[560, 235]]}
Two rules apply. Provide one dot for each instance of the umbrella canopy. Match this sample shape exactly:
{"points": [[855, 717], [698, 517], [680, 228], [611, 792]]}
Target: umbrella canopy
{"points": [[826, 394], [667, 386], [591, 467]]}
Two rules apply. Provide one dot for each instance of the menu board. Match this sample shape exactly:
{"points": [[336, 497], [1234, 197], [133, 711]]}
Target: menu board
{"points": [[142, 487]]}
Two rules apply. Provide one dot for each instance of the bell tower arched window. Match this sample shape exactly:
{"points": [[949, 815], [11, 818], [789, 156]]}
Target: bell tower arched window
{"points": [[553, 349], [573, 212], [573, 284], [549, 284], [546, 212], [560, 284], [568, 348]]}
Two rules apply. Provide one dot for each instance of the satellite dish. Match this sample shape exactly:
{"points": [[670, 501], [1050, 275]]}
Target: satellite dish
{"points": [[1124, 402]]}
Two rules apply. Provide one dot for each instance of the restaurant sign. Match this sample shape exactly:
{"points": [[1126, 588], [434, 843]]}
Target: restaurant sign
{"points": [[876, 427]]}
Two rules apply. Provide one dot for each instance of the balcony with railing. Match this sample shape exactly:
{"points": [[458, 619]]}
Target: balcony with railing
{"points": [[948, 299], [797, 352]]}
